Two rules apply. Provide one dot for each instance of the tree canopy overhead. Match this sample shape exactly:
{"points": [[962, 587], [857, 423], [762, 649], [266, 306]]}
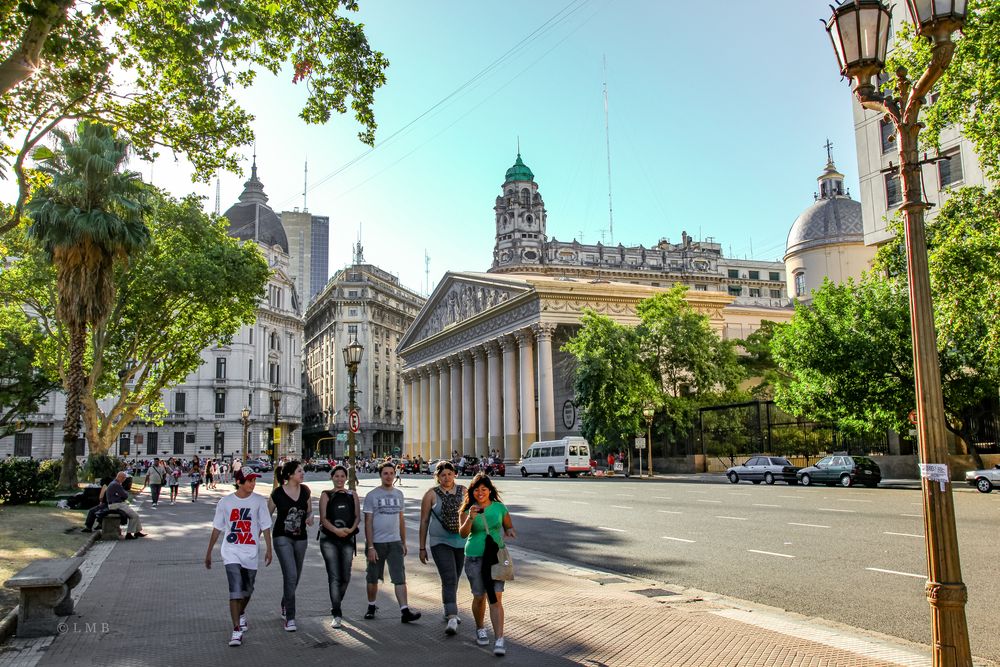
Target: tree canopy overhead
{"points": [[163, 71]]}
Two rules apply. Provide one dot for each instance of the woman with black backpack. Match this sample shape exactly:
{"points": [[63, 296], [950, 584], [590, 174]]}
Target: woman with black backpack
{"points": [[340, 513], [439, 514]]}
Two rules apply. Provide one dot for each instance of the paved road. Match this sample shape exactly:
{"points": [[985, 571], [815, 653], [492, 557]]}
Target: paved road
{"points": [[854, 556]]}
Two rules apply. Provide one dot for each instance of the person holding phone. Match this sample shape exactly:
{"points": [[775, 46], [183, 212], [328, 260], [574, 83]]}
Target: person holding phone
{"points": [[482, 514]]}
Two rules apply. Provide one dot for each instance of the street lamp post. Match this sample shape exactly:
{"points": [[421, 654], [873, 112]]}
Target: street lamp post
{"points": [[648, 413], [245, 420], [352, 358], [276, 433], [859, 31]]}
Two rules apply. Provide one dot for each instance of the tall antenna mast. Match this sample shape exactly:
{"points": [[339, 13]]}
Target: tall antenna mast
{"points": [[427, 271], [218, 197], [305, 188], [607, 139]]}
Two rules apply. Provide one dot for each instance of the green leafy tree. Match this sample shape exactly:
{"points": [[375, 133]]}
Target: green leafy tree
{"points": [[164, 72], [612, 384], [968, 93], [690, 364], [192, 287], [758, 361], [23, 383], [88, 218]]}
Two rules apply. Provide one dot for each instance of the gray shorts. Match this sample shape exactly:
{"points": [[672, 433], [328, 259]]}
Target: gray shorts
{"points": [[240, 581], [474, 570], [393, 553]]}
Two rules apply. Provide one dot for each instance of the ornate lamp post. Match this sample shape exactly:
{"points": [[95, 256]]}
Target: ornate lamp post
{"points": [[245, 420], [276, 433], [859, 30], [648, 413], [352, 358]]}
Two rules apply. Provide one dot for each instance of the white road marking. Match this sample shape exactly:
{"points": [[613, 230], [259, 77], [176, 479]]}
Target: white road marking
{"points": [[793, 497], [709, 501], [663, 497], [625, 495], [579, 502], [904, 534], [551, 500], [677, 539], [622, 507], [668, 512], [808, 525], [918, 516], [734, 518], [830, 509], [738, 493], [904, 574], [852, 500], [769, 553], [764, 505], [616, 530]]}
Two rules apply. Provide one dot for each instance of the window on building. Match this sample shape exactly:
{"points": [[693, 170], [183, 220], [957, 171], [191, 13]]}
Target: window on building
{"points": [[893, 190], [800, 283], [250, 370], [352, 331], [887, 130], [755, 275], [776, 294], [274, 373], [125, 444], [251, 335], [220, 368], [152, 443], [352, 312], [701, 288], [774, 276], [22, 444], [352, 294], [735, 290], [275, 341], [734, 273], [220, 402], [189, 437], [179, 402], [950, 168], [755, 291], [178, 443]]}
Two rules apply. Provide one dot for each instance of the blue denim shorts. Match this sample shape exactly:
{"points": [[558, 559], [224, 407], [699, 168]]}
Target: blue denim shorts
{"points": [[473, 570], [240, 581]]}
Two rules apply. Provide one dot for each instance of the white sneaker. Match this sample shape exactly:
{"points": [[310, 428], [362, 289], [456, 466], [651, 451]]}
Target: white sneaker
{"points": [[290, 625], [498, 647], [337, 622], [237, 638], [452, 626], [243, 623], [482, 638]]}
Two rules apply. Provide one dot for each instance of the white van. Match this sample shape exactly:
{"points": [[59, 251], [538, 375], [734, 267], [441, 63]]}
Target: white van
{"points": [[568, 456]]}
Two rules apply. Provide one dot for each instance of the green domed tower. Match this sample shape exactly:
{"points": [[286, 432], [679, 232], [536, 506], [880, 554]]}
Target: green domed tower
{"points": [[520, 221]]}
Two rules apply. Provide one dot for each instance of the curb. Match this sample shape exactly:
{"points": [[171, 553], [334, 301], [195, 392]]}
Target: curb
{"points": [[8, 626]]}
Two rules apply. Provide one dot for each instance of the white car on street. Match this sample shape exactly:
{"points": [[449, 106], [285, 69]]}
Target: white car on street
{"points": [[984, 480]]}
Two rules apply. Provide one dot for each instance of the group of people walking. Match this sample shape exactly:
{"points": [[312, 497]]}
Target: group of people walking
{"points": [[454, 525]]}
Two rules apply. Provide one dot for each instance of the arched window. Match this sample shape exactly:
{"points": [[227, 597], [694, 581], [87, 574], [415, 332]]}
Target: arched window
{"points": [[800, 283], [525, 196], [275, 341]]}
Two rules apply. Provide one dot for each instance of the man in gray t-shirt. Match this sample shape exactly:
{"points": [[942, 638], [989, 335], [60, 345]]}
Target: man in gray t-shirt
{"points": [[385, 541]]}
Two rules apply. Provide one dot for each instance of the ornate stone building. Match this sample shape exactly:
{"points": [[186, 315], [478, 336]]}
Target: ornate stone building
{"points": [[484, 369], [364, 303]]}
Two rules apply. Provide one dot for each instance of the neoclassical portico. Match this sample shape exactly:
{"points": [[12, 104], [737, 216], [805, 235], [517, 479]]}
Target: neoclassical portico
{"points": [[483, 364]]}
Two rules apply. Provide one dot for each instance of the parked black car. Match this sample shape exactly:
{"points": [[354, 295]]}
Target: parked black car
{"points": [[844, 469], [767, 469]]}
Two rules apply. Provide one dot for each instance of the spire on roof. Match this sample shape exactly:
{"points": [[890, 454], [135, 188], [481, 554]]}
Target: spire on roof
{"points": [[253, 189]]}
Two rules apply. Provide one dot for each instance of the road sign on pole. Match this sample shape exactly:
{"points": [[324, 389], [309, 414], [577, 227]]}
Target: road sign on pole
{"points": [[355, 421], [640, 443]]}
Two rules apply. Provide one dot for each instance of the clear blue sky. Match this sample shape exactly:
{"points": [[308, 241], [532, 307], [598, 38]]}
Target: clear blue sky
{"points": [[718, 116]]}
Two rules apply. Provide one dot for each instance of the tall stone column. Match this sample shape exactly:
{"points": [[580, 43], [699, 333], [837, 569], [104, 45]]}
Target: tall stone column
{"points": [[468, 405], [444, 405], [494, 395], [455, 365], [434, 442], [482, 416], [529, 430], [425, 406], [408, 449], [546, 391], [511, 419]]}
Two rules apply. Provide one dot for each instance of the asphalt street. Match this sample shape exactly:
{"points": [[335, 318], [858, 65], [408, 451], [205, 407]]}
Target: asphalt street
{"points": [[854, 555]]}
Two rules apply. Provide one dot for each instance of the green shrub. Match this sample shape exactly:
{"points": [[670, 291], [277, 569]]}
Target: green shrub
{"points": [[49, 471], [22, 481], [101, 465]]}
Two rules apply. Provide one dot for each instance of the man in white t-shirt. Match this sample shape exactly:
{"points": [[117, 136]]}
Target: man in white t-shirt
{"points": [[243, 517]]}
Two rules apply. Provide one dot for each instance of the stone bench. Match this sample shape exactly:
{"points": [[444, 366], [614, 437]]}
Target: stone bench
{"points": [[111, 525], [45, 587]]}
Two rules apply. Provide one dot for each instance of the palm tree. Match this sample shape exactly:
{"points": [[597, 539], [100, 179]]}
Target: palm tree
{"points": [[87, 218]]}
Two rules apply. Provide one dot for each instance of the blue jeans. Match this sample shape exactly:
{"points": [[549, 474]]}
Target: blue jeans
{"points": [[291, 553], [449, 561], [338, 556]]}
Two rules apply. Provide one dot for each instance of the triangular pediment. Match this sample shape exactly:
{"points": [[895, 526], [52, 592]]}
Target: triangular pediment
{"points": [[460, 297]]}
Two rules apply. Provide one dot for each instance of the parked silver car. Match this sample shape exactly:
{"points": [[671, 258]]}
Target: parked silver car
{"points": [[984, 480], [767, 469]]}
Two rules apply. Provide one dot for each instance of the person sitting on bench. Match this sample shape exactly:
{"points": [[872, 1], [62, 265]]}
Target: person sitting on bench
{"points": [[98, 510], [116, 495]]}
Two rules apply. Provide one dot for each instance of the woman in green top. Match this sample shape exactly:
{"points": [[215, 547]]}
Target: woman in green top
{"points": [[482, 514]]}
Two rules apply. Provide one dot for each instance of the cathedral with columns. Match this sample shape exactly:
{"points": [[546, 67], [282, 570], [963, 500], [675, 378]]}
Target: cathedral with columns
{"points": [[484, 367]]}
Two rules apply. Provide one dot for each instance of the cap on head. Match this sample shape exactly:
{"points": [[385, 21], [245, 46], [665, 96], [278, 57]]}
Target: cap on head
{"points": [[243, 475]]}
